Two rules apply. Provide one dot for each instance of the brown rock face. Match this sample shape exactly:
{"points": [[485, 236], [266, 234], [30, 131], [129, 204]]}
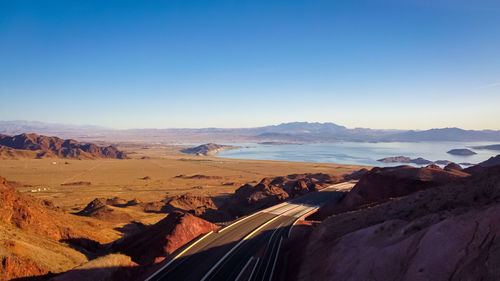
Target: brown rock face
{"points": [[269, 191], [464, 247], [194, 204], [163, 238], [445, 232], [99, 209], [188, 202], [40, 217], [29, 214], [55, 147], [380, 184], [453, 166], [15, 267], [23, 216]]}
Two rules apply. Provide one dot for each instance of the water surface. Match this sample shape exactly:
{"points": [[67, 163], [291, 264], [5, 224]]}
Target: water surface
{"points": [[358, 153]]}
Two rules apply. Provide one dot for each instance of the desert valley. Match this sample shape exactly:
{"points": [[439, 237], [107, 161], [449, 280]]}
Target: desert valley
{"points": [[81, 211], [250, 140]]}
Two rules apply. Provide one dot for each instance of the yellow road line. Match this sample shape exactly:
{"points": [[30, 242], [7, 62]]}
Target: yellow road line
{"points": [[178, 255], [191, 246], [260, 227], [236, 222]]}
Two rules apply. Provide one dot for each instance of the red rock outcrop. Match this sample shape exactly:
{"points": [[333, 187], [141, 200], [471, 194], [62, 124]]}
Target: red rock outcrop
{"points": [[464, 247], [188, 202], [99, 209], [23, 216], [30, 214], [269, 191], [446, 232], [381, 184], [48, 147], [41, 217], [13, 266], [163, 238]]}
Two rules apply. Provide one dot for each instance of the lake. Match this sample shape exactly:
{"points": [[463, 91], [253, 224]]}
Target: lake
{"points": [[358, 153]]}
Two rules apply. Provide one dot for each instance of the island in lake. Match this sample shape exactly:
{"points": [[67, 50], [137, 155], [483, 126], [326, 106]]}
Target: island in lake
{"points": [[404, 159], [461, 152], [488, 147]]}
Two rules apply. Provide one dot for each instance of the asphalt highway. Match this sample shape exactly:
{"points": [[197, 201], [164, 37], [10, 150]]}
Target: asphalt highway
{"points": [[245, 250]]}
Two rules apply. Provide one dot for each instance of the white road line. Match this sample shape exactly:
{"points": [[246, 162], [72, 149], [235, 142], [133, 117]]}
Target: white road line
{"points": [[275, 260], [267, 265], [268, 210], [235, 247], [244, 268], [272, 235], [178, 255], [253, 270]]}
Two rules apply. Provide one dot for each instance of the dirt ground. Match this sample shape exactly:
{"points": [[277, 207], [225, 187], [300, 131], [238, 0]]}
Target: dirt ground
{"points": [[149, 175]]}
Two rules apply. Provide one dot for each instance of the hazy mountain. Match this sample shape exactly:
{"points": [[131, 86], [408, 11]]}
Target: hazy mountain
{"points": [[286, 132], [445, 134], [53, 129]]}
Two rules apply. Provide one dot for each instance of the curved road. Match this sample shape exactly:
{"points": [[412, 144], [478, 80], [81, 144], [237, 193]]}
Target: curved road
{"points": [[247, 249]]}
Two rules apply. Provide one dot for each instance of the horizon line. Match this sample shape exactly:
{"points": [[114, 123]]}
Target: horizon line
{"points": [[234, 128]]}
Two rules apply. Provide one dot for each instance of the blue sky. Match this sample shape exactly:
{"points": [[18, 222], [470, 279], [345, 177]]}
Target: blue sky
{"points": [[406, 64]]}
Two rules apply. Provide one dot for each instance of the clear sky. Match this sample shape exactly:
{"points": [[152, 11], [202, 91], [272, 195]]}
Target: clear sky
{"points": [[406, 64]]}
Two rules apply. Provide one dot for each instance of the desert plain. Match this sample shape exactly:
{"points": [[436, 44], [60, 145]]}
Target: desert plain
{"points": [[152, 173]]}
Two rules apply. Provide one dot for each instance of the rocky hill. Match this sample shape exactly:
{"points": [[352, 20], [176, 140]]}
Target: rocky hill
{"points": [[163, 238], [272, 190], [30, 235], [247, 199], [381, 184], [190, 203], [37, 146], [101, 208], [447, 231], [404, 159], [493, 161], [207, 149], [488, 147]]}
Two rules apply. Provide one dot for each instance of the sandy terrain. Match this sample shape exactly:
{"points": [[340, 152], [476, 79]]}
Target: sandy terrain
{"points": [[66, 182]]}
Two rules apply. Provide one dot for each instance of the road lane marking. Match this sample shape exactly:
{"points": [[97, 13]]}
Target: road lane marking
{"points": [[253, 270], [260, 227], [178, 255], [236, 246], [244, 268], [238, 221], [272, 235], [267, 210], [275, 259], [275, 206], [270, 256]]}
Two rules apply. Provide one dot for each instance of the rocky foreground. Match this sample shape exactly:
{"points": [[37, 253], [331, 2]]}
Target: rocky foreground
{"points": [[397, 223], [38, 239], [409, 223]]}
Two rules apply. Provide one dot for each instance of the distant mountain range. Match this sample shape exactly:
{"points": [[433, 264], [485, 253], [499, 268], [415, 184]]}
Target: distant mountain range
{"points": [[296, 132]]}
